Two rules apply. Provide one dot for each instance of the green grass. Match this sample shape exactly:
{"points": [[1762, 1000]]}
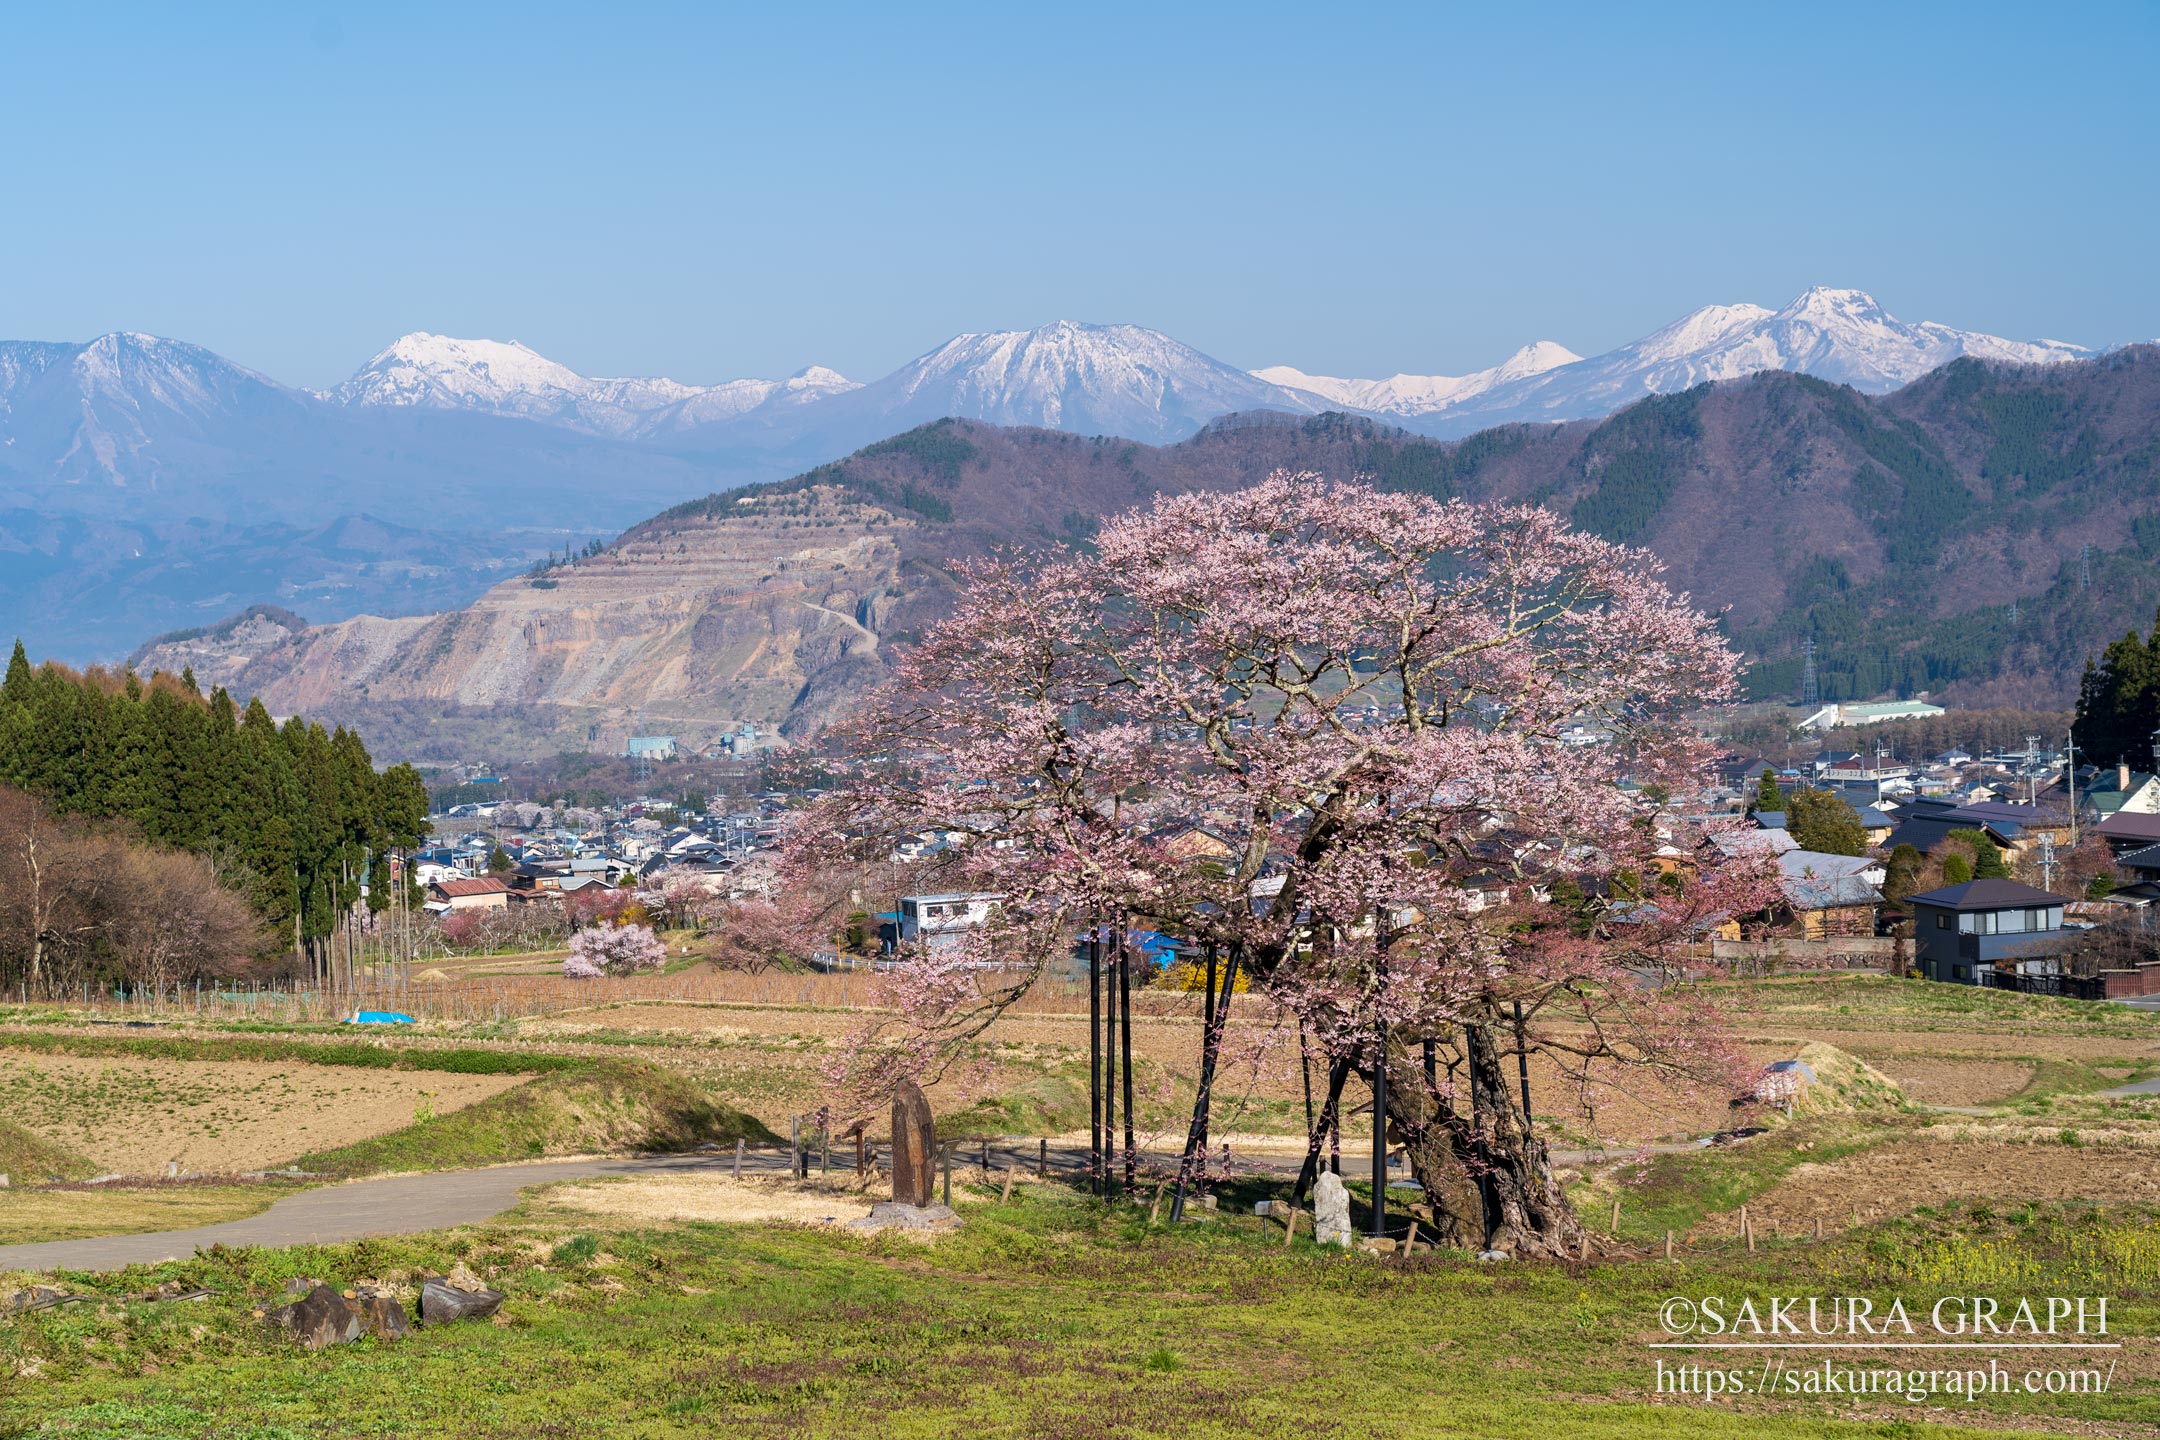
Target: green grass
{"points": [[26, 1158], [47, 1213], [601, 1106], [1866, 1001], [1677, 1192], [357, 1054], [1043, 1317]]}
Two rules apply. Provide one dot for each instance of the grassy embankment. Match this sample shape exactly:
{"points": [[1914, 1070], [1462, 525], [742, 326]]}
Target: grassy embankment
{"points": [[572, 1105], [1044, 1316]]}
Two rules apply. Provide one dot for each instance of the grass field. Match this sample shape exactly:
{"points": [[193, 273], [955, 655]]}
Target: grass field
{"points": [[1975, 1157], [1045, 1316]]}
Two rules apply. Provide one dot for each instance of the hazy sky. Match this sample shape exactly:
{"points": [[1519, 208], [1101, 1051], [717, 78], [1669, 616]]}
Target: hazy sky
{"points": [[714, 191]]}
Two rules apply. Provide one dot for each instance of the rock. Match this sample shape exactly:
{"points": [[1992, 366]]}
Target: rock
{"points": [[1331, 1210], [1493, 1255], [37, 1297], [382, 1317], [319, 1319], [914, 1146], [893, 1215], [299, 1286], [461, 1278], [441, 1302]]}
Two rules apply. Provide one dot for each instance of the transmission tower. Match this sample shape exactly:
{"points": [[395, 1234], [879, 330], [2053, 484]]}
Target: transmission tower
{"points": [[2013, 614], [2085, 566], [640, 757], [1810, 693]]}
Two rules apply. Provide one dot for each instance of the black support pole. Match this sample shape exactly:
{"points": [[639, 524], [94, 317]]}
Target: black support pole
{"points": [[1132, 1155], [1522, 1063], [1095, 1086], [1338, 1076]]}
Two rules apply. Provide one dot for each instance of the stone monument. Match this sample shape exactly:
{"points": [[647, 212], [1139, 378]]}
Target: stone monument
{"points": [[914, 1146], [1331, 1210]]}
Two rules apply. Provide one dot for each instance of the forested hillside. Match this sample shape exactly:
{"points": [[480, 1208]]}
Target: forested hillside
{"points": [[292, 817]]}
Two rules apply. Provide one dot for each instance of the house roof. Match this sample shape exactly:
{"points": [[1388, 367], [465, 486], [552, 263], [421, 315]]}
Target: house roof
{"points": [[1986, 895], [2145, 858], [2131, 825], [485, 885]]}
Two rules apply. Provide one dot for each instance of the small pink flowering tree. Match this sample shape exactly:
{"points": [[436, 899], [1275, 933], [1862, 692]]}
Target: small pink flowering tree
{"points": [[1371, 697], [605, 948]]}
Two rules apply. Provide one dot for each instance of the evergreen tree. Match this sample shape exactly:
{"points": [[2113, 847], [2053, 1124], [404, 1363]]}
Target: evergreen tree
{"points": [[1901, 875], [1823, 822], [1767, 795], [1956, 868]]}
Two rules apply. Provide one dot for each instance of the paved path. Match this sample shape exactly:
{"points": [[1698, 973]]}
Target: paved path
{"points": [[2138, 1087], [396, 1205], [405, 1204]]}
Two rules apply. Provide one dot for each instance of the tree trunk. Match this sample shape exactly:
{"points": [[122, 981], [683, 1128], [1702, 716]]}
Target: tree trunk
{"points": [[1480, 1134]]}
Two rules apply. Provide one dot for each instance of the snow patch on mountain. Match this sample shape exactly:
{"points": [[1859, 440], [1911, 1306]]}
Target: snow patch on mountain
{"points": [[506, 378], [1411, 395], [1840, 335]]}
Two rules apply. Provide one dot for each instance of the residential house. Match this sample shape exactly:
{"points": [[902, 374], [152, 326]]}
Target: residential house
{"points": [[1961, 931], [2110, 791], [2128, 830], [1830, 896], [1925, 822], [484, 893], [941, 920]]}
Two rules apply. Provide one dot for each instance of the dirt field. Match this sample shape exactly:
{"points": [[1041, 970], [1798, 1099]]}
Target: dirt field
{"points": [[652, 1199], [216, 1117], [1895, 1178]]}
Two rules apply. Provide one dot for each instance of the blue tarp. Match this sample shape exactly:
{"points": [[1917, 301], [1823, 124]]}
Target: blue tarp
{"points": [[382, 1017]]}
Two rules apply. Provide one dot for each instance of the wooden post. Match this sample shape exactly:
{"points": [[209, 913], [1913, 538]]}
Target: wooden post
{"points": [[1586, 1245], [946, 1155], [1290, 1228], [1818, 1227], [986, 1159], [1668, 1244], [1042, 1157], [1011, 1172], [1747, 1229], [1409, 1239], [1616, 1215]]}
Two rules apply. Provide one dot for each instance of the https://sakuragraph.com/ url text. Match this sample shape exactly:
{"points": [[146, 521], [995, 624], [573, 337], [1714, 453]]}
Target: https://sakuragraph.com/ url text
{"points": [[1759, 1345]]}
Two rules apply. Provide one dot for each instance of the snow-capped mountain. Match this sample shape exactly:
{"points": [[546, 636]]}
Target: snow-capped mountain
{"points": [[127, 409], [1839, 335], [496, 377], [1412, 395], [1088, 379]]}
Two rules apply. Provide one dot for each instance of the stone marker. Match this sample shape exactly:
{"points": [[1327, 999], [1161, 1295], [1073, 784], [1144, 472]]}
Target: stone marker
{"points": [[441, 1303], [896, 1215], [914, 1146], [381, 1316], [319, 1319], [1331, 1210]]}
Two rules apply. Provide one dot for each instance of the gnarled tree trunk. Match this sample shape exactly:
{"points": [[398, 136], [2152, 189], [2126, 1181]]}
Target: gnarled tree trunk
{"points": [[1487, 1176]]}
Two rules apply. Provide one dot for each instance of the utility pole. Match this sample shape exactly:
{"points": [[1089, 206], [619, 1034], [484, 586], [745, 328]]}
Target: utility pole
{"points": [[2070, 775], [2047, 862]]}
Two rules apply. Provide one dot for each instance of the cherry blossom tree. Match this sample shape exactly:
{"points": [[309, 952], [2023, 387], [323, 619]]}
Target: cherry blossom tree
{"points": [[1379, 701], [605, 948]]}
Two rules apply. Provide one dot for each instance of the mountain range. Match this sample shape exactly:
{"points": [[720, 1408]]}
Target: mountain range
{"points": [[1973, 535], [147, 482]]}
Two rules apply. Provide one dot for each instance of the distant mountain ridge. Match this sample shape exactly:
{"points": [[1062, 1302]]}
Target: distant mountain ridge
{"points": [[1932, 540], [1840, 335], [147, 481]]}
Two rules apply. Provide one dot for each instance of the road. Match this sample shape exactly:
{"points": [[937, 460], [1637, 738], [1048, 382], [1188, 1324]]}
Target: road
{"points": [[405, 1204]]}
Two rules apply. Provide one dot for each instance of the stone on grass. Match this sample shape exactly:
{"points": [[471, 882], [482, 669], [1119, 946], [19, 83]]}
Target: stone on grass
{"points": [[319, 1319], [892, 1215], [442, 1302], [914, 1146], [381, 1316], [1331, 1210]]}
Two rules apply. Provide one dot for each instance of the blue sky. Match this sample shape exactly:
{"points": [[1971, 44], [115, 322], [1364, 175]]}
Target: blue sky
{"points": [[712, 191]]}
